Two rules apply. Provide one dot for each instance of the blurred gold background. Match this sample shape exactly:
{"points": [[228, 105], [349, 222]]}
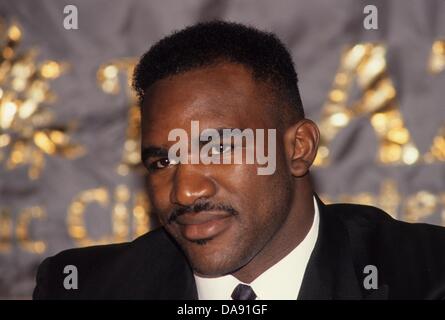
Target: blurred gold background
{"points": [[69, 122]]}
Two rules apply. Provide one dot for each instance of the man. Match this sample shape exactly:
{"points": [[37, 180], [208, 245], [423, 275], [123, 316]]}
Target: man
{"points": [[229, 232]]}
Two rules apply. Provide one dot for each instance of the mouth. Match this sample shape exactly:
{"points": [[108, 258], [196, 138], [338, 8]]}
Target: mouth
{"points": [[204, 225]]}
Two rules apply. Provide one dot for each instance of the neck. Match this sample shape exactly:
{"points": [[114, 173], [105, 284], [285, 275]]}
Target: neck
{"points": [[288, 237]]}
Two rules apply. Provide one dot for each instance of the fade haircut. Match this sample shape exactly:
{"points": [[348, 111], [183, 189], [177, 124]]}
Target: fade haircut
{"points": [[209, 43]]}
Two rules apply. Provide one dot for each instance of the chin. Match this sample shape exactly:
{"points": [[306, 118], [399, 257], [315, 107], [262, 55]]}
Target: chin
{"points": [[212, 265], [210, 271]]}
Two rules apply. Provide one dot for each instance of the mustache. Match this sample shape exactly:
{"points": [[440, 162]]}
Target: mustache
{"points": [[199, 207]]}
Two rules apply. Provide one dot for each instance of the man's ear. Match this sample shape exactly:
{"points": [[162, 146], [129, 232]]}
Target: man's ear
{"points": [[301, 144]]}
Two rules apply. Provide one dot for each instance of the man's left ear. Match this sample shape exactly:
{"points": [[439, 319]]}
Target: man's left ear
{"points": [[301, 144]]}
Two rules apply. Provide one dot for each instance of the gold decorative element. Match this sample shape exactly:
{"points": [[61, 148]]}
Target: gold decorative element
{"points": [[389, 198], [27, 132], [22, 230], [436, 62], [365, 198], [420, 205], [442, 200], [5, 230], [416, 207], [367, 64], [141, 214], [76, 212], [437, 150], [108, 78], [120, 217]]}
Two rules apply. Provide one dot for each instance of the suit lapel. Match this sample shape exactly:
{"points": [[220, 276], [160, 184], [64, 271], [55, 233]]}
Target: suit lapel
{"points": [[335, 269], [168, 277], [330, 273]]}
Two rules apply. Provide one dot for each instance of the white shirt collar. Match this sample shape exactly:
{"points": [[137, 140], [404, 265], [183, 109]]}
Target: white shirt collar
{"points": [[282, 281]]}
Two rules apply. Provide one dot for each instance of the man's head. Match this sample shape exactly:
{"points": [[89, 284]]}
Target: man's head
{"points": [[207, 44], [225, 75]]}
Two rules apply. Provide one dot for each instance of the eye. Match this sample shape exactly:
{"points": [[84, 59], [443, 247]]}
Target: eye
{"points": [[221, 149], [161, 164]]}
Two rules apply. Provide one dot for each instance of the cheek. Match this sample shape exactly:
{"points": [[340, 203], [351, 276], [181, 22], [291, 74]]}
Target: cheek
{"points": [[239, 180], [251, 193], [264, 197], [159, 193], [248, 179]]}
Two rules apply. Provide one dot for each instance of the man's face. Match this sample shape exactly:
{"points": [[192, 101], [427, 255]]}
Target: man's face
{"points": [[222, 215]]}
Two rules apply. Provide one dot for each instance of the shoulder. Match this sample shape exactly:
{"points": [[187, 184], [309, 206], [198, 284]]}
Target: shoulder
{"points": [[151, 243], [101, 271], [369, 219], [410, 256]]}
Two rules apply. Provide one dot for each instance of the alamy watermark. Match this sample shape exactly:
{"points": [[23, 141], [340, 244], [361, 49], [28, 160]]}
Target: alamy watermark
{"points": [[71, 18], [70, 282], [224, 146], [370, 22], [372, 278]]}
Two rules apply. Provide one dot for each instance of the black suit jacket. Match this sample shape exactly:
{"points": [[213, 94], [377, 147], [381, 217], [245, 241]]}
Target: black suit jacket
{"points": [[410, 260]]}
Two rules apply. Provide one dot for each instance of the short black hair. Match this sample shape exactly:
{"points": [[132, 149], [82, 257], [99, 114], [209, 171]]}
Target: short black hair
{"points": [[208, 43]]}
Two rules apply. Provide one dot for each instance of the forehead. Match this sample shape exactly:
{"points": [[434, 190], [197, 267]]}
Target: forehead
{"points": [[223, 95]]}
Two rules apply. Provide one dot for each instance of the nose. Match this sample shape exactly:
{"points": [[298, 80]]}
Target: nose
{"points": [[190, 184]]}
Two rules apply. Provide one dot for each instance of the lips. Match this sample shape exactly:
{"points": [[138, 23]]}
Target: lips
{"points": [[203, 225]]}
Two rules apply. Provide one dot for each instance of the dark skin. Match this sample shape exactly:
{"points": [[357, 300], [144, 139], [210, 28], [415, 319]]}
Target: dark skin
{"points": [[272, 213]]}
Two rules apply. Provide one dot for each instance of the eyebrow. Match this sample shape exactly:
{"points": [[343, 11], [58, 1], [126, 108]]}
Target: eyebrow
{"points": [[152, 151], [159, 152], [221, 130]]}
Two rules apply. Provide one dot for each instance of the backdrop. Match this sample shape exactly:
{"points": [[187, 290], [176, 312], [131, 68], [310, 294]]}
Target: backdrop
{"points": [[69, 148]]}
